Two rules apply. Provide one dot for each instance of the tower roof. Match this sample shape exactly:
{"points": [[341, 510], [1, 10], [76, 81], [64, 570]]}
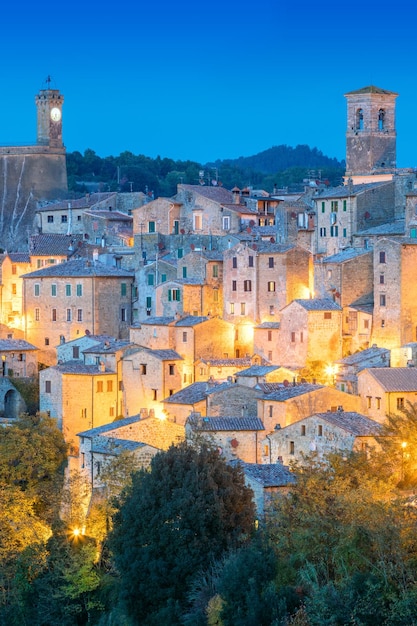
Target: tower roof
{"points": [[371, 89]]}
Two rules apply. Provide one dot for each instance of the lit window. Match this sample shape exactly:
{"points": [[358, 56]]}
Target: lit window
{"points": [[400, 403], [109, 385], [215, 271], [243, 308], [99, 386], [271, 285], [37, 315]]}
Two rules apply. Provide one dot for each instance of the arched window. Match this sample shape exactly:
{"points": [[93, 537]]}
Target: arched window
{"points": [[359, 119], [381, 119]]}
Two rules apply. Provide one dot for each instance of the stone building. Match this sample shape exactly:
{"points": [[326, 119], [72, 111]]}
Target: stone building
{"points": [[265, 341], [235, 437], [149, 376], [348, 368], [321, 434], [386, 390], [290, 403], [19, 358], [13, 267], [62, 301], [310, 330], [259, 374], [190, 399], [345, 276], [79, 397]]}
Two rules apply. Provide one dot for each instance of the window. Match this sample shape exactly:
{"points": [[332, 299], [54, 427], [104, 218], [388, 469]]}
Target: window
{"points": [[344, 205], [301, 337], [79, 315], [369, 402], [271, 285], [53, 315], [64, 219], [171, 369], [292, 447], [382, 323], [53, 290], [243, 308], [366, 324], [250, 261], [79, 289], [75, 352], [84, 413], [123, 289], [50, 219], [400, 403], [232, 308], [14, 269], [303, 430], [37, 289], [269, 335], [271, 261], [334, 231], [270, 356], [143, 369], [123, 317], [234, 262], [247, 285], [226, 222], [48, 386], [322, 232], [345, 232], [109, 385], [180, 253], [150, 279], [382, 257], [46, 341], [320, 430], [184, 271], [154, 395], [163, 278], [382, 300], [271, 309], [37, 315], [334, 206], [378, 403], [14, 289], [381, 119], [359, 119], [215, 271], [197, 221], [270, 410], [174, 295], [327, 315], [184, 337], [234, 285], [293, 337], [215, 295], [382, 279], [151, 227], [99, 387], [69, 315], [111, 411], [323, 207]]}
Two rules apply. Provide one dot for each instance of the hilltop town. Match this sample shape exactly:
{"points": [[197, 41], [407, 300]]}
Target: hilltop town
{"points": [[272, 324]]}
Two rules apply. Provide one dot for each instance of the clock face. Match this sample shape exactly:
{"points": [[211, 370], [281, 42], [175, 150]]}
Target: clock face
{"points": [[55, 114]]}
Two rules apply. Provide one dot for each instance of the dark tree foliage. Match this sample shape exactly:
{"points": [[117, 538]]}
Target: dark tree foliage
{"points": [[172, 523]]}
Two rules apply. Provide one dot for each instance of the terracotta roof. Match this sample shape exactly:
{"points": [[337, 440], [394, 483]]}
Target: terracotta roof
{"points": [[395, 378], [268, 325], [162, 355], [216, 424], [80, 267], [355, 423], [110, 215]]}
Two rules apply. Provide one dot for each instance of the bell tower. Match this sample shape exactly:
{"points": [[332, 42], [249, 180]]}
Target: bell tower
{"points": [[371, 135], [49, 104]]}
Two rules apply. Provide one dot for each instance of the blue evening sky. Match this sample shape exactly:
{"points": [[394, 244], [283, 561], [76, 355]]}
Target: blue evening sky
{"points": [[205, 80]]}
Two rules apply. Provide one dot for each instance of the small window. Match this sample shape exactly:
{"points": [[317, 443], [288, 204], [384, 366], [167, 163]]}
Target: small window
{"points": [[243, 308], [247, 285], [232, 308], [64, 219], [327, 315], [69, 315], [184, 271], [382, 299], [184, 337], [143, 369], [151, 227], [37, 315], [154, 395], [250, 261], [75, 352], [382, 257], [79, 289], [50, 219], [53, 290], [344, 205], [14, 289], [303, 430], [79, 315], [292, 448], [215, 295], [48, 386], [378, 403], [369, 402], [271, 285], [320, 430], [123, 289], [271, 261], [180, 253], [293, 337], [270, 410], [123, 316], [234, 262], [111, 411], [46, 341], [271, 309], [366, 324], [322, 232], [234, 285], [269, 335], [99, 386], [226, 222], [150, 279], [67, 290], [334, 206], [171, 369], [109, 385], [37, 289], [382, 279], [323, 207], [53, 315], [400, 403], [215, 271]]}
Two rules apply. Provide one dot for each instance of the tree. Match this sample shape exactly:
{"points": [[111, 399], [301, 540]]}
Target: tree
{"points": [[399, 441], [172, 523]]}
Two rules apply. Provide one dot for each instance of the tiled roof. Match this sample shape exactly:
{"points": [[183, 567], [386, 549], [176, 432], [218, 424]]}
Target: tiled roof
{"points": [[355, 423], [269, 387], [268, 325], [53, 244], [111, 216], [371, 89], [395, 378], [345, 255], [156, 321], [319, 304], [364, 355], [113, 446], [216, 424], [196, 392], [291, 391], [239, 208], [268, 475], [78, 367], [364, 303], [217, 194], [391, 228], [107, 346], [15, 344], [162, 355], [99, 430], [258, 370], [19, 257], [80, 267], [241, 362], [191, 320], [343, 191], [79, 203], [267, 247]]}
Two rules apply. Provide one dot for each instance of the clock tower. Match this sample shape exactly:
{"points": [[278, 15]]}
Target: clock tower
{"points": [[49, 104], [371, 135]]}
